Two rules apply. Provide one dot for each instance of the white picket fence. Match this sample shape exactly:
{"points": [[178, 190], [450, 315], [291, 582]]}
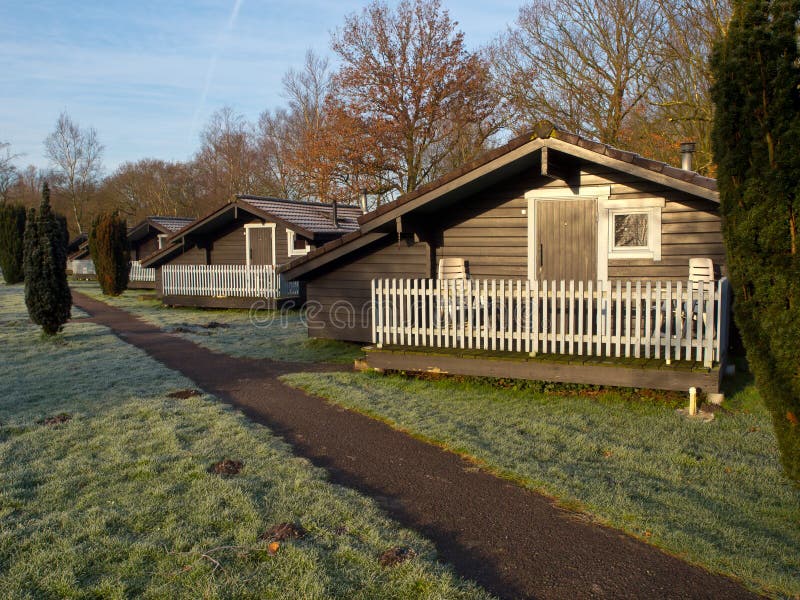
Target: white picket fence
{"points": [[256, 281], [139, 273], [661, 320], [81, 267]]}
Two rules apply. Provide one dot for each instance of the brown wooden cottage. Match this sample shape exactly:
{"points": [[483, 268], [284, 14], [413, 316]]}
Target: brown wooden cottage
{"points": [[553, 257], [145, 238], [229, 257]]}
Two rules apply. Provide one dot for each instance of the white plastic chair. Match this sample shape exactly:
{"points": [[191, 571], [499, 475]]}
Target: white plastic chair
{"points": [[451, 269], [700, 269]]}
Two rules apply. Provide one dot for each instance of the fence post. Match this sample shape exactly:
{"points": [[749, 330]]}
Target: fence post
{"points": [[723, 320]]}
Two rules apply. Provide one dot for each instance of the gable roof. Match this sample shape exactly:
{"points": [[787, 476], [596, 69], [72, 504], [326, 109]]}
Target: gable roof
{"points": [[164, 225], [311, 220], [523, 152]]}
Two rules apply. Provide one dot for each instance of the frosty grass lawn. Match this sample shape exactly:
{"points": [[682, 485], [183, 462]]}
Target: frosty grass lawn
{"points": [[269, 334], [712, 493], [118, 502]]}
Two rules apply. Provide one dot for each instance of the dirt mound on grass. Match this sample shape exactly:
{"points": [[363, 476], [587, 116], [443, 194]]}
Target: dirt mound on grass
{"points": [[395, 556], [184, 394], [282, 532], [58, 419], [226, 467]]}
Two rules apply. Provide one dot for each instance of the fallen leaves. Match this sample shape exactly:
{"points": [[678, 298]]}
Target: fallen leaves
{"points": [[226, 467]]}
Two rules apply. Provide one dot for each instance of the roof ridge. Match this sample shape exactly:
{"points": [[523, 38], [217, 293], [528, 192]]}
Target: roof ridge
{"points": [[311, 203]]}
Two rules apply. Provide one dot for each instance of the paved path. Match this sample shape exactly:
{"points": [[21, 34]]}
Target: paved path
{"points": [[514, 542]]}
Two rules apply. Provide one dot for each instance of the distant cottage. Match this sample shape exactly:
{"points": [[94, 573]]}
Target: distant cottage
{"points": [[229, 257]]}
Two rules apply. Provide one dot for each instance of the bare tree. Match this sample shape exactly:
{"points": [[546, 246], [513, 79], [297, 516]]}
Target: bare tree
{"points": [[588, 65], [152, 187], [274, 140], [226, 161], [407, 78], [27, 188], [308, 149], [8, 172], [682, 95], [76, 155]]}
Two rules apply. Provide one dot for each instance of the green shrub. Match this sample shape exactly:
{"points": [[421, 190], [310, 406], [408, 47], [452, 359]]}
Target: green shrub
{"points": [[108, 245], [756, 141], [12, 232], [47, 293]]}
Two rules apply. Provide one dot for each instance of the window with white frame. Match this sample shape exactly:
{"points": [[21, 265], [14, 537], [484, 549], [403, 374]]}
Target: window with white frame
{"points": [[632, 227], [297, 246], [162, 238]]}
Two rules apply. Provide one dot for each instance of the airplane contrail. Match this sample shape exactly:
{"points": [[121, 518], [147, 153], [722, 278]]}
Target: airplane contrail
{"points": [[212, 64]]}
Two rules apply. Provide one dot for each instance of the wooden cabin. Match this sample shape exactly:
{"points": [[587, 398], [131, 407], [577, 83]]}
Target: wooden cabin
{"points": [[230, 257], [550, 246], [79, 261], [148, 237]]}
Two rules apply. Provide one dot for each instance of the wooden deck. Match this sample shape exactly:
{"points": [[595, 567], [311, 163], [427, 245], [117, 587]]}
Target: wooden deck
{"points": [[226, 302], [630, 372]]}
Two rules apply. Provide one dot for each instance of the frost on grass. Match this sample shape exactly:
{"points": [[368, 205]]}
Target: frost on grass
{"points": [[232, 332], [118, 501], [711, 492]]}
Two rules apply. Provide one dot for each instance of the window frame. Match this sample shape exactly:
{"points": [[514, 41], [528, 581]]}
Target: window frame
{"points": [[647, 206], [291, 250]]}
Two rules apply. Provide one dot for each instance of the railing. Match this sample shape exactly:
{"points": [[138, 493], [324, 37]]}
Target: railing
{"points": [[81, 267], [138, 273], [256, 281], [661, 320]]}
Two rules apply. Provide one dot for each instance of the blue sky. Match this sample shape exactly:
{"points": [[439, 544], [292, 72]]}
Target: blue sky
{"points": [[147, 74]]}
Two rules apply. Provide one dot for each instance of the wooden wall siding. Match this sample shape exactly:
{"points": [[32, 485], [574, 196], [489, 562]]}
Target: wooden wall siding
{"points": [[228, 247], [144, 248], [490, 231], [331, 295], [193, 256], [688, 229]]}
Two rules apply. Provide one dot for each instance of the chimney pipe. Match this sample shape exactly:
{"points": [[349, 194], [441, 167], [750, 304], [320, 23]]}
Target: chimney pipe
{"points": [[335, 215], [364, 201], [687, 154]]}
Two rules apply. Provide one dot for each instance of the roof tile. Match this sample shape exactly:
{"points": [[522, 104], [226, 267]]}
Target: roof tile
{"points": [[312, 216], [172, 223]]}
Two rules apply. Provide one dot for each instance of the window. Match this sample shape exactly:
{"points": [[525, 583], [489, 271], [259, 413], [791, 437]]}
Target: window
{"points": [[297, 246], [630, 230], [162, 237], [634, 230]]}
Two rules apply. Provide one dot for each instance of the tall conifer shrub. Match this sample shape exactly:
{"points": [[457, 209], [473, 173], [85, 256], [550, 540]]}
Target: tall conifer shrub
{"points": [[756, 142], [12, 232], [108, 245], [47, 294]]}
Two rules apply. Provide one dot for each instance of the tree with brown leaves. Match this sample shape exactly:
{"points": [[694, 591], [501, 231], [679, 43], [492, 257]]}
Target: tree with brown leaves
{"points": [[408, 81]]}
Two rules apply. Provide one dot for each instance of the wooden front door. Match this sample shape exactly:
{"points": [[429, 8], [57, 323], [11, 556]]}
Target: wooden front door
{"points": [[260, 250], [566, 239]]}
